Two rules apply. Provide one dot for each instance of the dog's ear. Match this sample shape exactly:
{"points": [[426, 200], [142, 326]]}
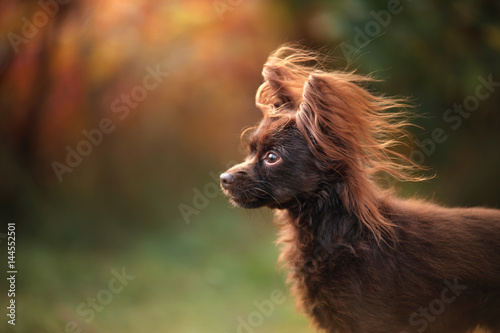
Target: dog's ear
{"points": [[314, 96], [282, 86], [325, 114], [278, 79], [336, 119]]}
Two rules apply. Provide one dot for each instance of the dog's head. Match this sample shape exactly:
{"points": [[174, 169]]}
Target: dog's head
{"points": [[306, 140], [280, 168], [322, 134]]}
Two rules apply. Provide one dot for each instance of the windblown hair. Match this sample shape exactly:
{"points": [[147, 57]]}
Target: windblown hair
{"points": [[360, 259], [362, 132]]}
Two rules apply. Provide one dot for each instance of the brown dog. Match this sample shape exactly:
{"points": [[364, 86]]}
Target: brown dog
{"points": [[360, 260]]}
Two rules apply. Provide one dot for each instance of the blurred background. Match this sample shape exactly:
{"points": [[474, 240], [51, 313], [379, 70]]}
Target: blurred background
{"points": [[117, 116]]}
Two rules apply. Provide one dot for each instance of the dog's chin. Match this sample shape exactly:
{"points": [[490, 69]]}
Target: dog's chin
{"points": [[247, 203]]}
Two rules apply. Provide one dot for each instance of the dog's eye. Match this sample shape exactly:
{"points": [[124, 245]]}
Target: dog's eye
{"points": [[272, 158]]}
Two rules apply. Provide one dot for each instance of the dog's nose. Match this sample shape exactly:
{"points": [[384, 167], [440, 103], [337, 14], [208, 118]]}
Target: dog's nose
{"points": [[226, 179]]}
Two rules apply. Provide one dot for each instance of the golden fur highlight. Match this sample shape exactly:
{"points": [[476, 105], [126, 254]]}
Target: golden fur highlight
{"points": [[366, 127]]}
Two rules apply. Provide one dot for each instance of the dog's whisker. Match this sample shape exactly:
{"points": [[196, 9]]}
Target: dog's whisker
{"points": [[269, 194]]}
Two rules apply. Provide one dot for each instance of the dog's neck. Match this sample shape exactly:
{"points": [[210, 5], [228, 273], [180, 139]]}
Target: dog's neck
{"points": [[324, 218], [316, 232]]}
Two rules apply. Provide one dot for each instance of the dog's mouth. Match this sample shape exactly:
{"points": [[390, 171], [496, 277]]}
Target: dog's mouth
{"points": [[244, 199]]}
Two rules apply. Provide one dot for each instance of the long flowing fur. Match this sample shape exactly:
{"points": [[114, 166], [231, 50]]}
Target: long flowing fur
{"points": [[367, 127], [360, 259]]}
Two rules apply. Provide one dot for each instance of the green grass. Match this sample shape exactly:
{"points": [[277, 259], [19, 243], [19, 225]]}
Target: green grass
{"points": [[199, 278]]}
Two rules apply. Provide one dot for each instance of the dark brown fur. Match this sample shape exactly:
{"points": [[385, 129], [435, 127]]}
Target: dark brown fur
{"points": [[361, 260]]}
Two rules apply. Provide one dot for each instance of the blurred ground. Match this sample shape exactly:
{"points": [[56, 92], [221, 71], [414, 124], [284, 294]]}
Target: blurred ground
{"points": [[116, 115]]}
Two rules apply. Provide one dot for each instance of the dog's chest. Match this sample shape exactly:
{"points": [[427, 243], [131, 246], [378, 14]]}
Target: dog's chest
{"points": [[319, 289], [318, 274]]}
